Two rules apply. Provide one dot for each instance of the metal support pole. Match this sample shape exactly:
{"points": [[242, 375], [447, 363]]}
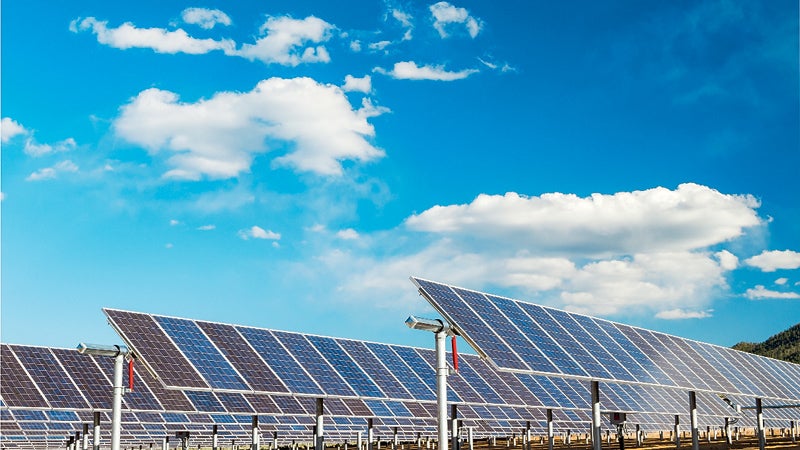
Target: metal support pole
{"points": [[794, 431], [677, 431], [728, 437], [527, 435], [116, 406], [369, 434], [454, 427], [214, 437], [358, 441], [96, 432], [256, 435], [85, 441], [275, 440], [469, 436], [596, 436], [693, 420], [441, 387], [760, 423], [320, 441], [394, 438], [165, 443], [549, 429]]}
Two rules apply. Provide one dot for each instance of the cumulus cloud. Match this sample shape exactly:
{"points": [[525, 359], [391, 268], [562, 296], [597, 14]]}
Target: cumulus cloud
{"points": [[727, 260], [205, 18], [159, 40], [207, 227], [218, 137], [353, 84], [48, 173], [290, 42], [629, 253], [781, 281], [678, 313], [32, 148], [9, 128], [444, 14], [380, 45], [256, 232], [772, 260], [348, 234], [762, 293], [409, 70]]}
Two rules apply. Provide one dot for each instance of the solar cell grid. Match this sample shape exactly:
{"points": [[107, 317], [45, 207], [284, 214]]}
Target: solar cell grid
{"points": [[289, 405], [50, 377], [279, 359], [560, 397], [714, 379], [615, 369], [742, 383], [375, 369], [205, 401], [669, 353], [473, 325], [142, 397], [473, 379], [640, 350], [543, 349], [357, 407], [325, 376], [258, 375], [507, 395], [204, 356], [398, 409], [580, 362], [516, 352], [263, 404], [16, 387], [234, 402], [87, 376], [529, 381], [743, 364], [400, 370], [346, 367], [336, 407], [775, 372], [519, 389], [580, 400], [147, 338]]}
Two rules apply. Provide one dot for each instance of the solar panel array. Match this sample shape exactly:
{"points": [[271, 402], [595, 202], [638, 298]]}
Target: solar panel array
{"points": [[519, 336]]}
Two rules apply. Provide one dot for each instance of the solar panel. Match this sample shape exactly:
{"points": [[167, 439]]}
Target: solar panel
{"points": [[51, 379], [16, 387], [584, 347], [345, 366]]}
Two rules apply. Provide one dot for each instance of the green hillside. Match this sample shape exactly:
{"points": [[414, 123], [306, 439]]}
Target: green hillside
{"points": [[784, 345]]}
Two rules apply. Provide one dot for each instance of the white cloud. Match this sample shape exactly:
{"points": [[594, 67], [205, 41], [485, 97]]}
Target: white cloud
{"points": [[353, 84], [409, 70], [378, 46], [348, 234], [32, 148], [405, 20], [290, 41], [174, 222], [205, 18], [445, 14], [207, 227], [355, 46], [168, 245], [689, 217], [674, 314], [256, 232], [772, 260], [630, 253], [761, 293], [52, 172], [218, 137], [159, 40], [727, 260], [9, 128], [781, 281]]}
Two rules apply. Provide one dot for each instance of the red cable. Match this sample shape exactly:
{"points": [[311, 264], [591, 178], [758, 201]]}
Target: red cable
{"points": [[455, 354], [130, 374]]}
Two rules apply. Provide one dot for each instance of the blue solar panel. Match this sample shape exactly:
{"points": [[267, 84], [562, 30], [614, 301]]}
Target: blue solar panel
{"points": [[346, 367], [205, 401], [30, 415], [505, 393], [375, 369], [413, 383], [636, 353], [205, 357], [471, 377], [284, 365], [474, 326], [423, 370], [62, 416], [330, 381]]}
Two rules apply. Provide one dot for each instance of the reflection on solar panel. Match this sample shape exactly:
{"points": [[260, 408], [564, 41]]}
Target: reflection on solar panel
{"points": [[576, 346]]}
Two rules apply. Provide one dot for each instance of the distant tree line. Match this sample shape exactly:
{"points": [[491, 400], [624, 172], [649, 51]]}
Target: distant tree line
{"points": [[784, 345]]}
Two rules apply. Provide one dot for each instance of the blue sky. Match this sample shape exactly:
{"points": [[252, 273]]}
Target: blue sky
{"points": [[290, 164]]}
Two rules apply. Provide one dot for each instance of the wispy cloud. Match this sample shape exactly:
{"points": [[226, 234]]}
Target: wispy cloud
{"points": [[772, 260], [256, 232], [207, 227], [48, 173], [159, 40], [409, 70], [445, 14], [762, 293], [32, 148], [679, 314], [405, 20], [205, 18], [218, 137]]}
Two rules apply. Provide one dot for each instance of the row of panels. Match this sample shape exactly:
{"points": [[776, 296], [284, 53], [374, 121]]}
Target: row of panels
{"points": [[191, 354], [524, 337]]}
